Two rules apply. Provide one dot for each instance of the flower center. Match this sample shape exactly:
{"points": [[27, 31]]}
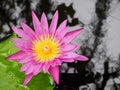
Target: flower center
{"points": [[46, 48]]}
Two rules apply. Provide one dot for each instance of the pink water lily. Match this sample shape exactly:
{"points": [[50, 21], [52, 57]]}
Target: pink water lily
{"points": [[45, 48]]}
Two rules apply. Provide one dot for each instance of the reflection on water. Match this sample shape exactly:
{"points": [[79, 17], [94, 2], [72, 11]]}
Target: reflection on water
{"points": [[12, 12]]}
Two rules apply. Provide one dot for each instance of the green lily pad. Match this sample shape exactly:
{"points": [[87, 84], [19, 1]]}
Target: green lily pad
{"points": [[10, 76]]}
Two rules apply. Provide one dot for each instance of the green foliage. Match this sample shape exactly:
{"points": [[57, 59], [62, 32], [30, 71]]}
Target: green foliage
{"points": [[10, 76]]}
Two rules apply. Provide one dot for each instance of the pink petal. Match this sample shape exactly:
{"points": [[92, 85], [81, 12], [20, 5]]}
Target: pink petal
{"points": [[62, 33], [70, 55], [58, 62], [18, 40], [44, 23], [30, 69], [25, 59], [21, 44], [21, 33], [61, 27], [17, 55], [55, 62], [81, 58], [54, 72], [36, 24], [71, 35], [46, 67], [53, 24], [37, 69], [67, 60], [70, 47], [28, 30], [28, 78], [25, 66]]}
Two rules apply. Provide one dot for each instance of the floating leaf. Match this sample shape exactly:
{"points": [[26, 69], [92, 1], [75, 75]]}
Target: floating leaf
{"points": [[10, 76]]}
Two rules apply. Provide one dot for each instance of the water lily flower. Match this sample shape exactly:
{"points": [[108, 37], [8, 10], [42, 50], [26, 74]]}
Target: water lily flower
{"points": [[45, 48]]}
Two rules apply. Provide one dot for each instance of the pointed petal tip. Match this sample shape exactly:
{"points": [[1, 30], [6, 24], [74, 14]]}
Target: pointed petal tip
{"points": [[33, 14], [7, 58], [24, 84], [13, 28], [57, 82], [56, 12], [85, 59], [82, 58], [65, 20], [13, 39], [53, 24], [80, 29], [22, 23], [16, 55], [43, 14], [43, 17], [10, 58], [27, 79], [54, 72]]}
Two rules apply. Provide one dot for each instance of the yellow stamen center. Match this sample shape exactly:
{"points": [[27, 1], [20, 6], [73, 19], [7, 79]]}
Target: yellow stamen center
{"points": [[46, 48]]}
